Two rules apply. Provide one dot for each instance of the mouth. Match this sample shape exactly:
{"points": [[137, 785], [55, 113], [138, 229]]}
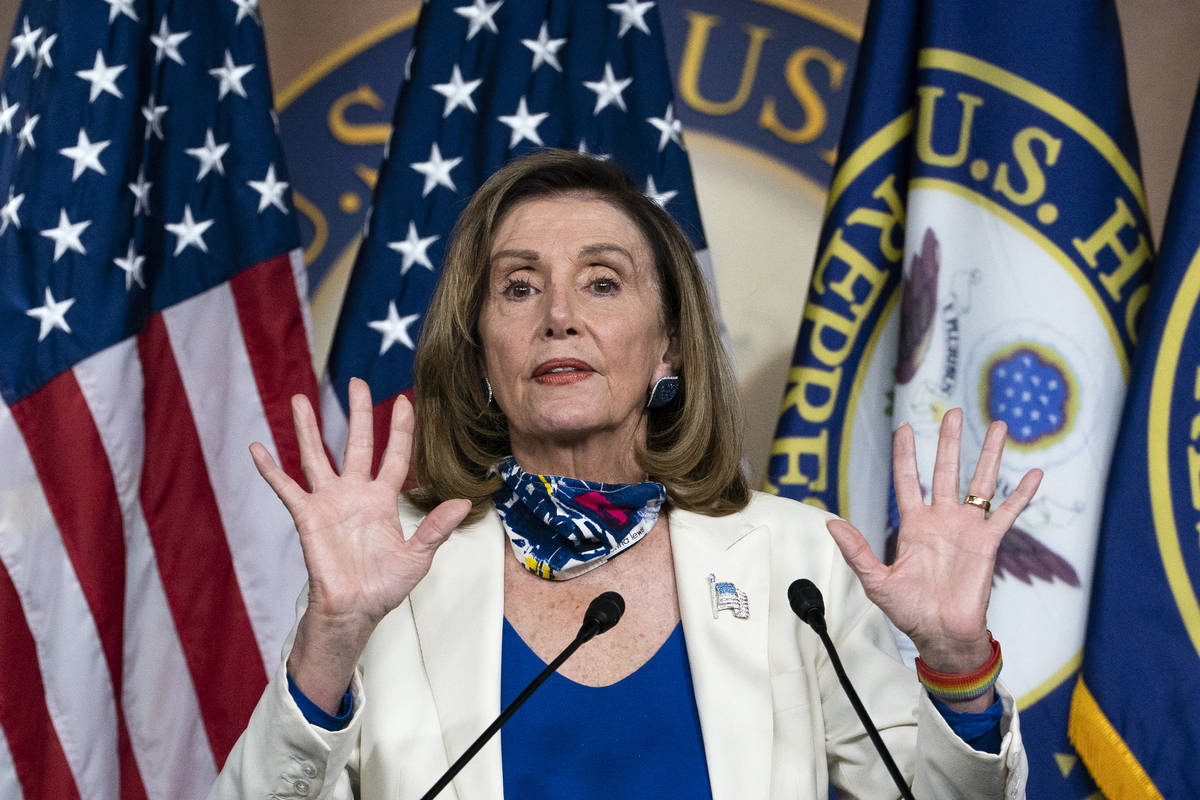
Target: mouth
{"points": [[562, 370]]}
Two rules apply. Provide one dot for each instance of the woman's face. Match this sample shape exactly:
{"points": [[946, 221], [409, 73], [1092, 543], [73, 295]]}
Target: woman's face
{"points": [[571, 327]]}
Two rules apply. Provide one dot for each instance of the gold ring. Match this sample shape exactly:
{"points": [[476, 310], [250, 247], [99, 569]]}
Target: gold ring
{"points": [[981, 502]]}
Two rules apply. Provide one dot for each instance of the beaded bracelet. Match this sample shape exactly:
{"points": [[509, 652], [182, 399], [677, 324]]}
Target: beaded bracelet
{"points": [[961, 686]]}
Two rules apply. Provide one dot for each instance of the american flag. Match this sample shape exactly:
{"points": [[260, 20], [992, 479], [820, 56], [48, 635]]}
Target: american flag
{"points": [[151, 312], [484, 83]]}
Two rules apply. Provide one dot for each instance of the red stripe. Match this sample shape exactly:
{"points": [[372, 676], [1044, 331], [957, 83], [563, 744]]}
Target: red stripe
{"points": [[192, 552], [72, 466], [37, 754], [381, 418], [268, 310]]}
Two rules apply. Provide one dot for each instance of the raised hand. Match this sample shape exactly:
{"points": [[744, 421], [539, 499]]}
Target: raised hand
{"points": [[360, 565], [938, 587]]}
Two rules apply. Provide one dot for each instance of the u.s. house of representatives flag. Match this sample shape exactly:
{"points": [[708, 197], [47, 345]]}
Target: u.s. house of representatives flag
{"points": [[985, 246], [152, 324], [487, 81], [1135, 716]]}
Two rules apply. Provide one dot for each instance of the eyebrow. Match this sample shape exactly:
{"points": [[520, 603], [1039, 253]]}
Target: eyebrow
{"points": [[587, 250]]}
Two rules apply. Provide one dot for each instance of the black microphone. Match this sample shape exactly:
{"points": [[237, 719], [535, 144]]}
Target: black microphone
{"points": [[805, 599], [602, 614]]}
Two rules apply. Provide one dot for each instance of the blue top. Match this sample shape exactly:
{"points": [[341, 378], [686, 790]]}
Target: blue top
{"points": [[639, 737]]}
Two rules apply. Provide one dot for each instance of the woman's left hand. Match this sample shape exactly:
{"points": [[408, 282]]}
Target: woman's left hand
{"points": [[938, 587]]}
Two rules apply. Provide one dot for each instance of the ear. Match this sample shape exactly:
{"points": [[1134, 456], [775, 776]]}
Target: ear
{"points": [[670, 360]]}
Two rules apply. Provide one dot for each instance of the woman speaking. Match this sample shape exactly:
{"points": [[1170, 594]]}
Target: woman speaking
{"points": [[579, 433]]}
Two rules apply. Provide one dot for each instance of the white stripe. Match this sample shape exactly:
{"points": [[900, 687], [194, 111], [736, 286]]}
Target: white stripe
{"points": [[10, 787], [207, 341], [79, 694], [300, 276], [161, 710], [333, 421]]}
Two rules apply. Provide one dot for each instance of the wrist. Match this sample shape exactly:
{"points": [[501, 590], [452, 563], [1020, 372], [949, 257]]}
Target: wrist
{"points": [[960, 687]]}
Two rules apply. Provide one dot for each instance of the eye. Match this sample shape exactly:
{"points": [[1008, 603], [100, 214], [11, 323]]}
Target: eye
{"points": [[517, 289], [605, 286]]}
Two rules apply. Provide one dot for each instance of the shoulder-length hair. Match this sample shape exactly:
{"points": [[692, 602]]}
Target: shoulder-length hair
{"points": [[693, 444]]}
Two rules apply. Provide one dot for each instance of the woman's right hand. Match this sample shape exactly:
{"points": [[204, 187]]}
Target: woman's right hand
{"points": [[360, 566]]}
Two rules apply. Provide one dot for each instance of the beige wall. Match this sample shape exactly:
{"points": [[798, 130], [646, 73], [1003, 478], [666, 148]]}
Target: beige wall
{"points": [[774, 244]]}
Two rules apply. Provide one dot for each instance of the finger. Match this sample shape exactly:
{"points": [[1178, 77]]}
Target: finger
{"points": [[280, 482], [1008, 511], [904, 469], [983, 481], [393, 469], [857, 553], [945, 465], [313, 460], [439, 524], [360, 432]]}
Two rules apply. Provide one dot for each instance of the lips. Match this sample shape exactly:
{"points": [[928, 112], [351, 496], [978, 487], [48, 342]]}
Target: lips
{"points": [[562, 370]]}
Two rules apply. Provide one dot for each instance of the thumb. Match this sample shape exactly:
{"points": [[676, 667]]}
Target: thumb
{"points": [[438, 524], [856, 551]]}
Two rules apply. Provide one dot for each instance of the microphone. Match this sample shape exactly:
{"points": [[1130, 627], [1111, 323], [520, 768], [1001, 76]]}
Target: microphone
{"points": [[805, 600], [602, 614]]}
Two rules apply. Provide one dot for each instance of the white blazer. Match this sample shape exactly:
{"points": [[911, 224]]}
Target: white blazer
{"points": [[774, 719]]}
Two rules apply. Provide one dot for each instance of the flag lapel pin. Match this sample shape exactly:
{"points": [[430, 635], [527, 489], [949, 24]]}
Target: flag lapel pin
{"points": [[727, 597]]}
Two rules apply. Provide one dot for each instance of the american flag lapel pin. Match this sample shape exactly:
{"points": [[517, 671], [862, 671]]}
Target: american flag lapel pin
{"points": [[727, 597]]}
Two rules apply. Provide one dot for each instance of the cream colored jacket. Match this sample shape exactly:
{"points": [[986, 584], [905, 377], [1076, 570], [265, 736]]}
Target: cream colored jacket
{"points": [[775, 721]]}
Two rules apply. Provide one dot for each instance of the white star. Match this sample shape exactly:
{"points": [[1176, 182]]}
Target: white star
{"points": [[120, 7], [166, 44], [608, 90], [457, 92], [9, 212], [43, 54], [584, 151], [66, 235], [270, 191], [189, 231], [230, 75], [52, 315], [102, 78], [545, 50], [246, 8], [6, 114], [209, 155], [141, 193], [26, 43], [414, 249], [632, 15], [436, 170], [85, 154], [25, 135], [524, 125], [479, 15], [394, 328], [153, 115], [669, 128], [132, 266], [661, 198]]}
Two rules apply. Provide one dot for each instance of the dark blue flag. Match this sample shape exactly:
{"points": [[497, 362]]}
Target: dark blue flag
{"points": [[985, 247], [1135, 716], [484, 83]]}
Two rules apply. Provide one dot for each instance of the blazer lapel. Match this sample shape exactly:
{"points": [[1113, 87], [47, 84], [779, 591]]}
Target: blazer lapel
{"points": [[727, 656], [458, 610]]}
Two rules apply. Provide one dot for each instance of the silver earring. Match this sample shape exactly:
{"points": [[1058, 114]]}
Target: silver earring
{"points": [[664, 391], [487, 385]]}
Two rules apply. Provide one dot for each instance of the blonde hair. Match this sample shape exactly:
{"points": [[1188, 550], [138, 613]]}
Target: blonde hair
{"points": [[693, 444]]}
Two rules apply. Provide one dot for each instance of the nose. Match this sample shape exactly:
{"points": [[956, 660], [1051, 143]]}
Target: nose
{"points": [[560, 311]]}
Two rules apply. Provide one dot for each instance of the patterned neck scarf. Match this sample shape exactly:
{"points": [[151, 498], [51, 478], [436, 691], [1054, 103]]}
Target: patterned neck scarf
{"points": [[560, 528]]}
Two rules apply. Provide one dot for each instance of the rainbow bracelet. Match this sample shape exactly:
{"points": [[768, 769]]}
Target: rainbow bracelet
{"points": [[961, 686]]}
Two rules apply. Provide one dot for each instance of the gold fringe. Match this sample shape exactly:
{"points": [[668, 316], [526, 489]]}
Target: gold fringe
{"points": [[1113, 766]]}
